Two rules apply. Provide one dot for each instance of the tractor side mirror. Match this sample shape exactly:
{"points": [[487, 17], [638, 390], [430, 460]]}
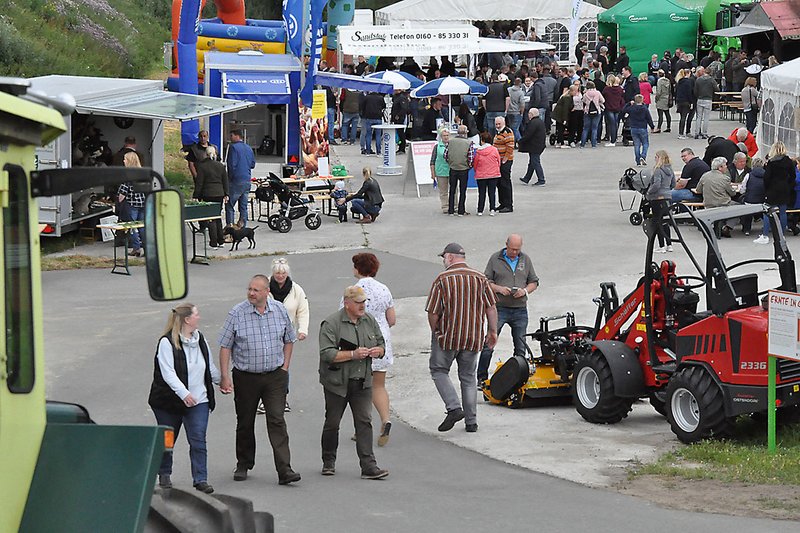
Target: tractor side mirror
{"points": [[165, 247]]}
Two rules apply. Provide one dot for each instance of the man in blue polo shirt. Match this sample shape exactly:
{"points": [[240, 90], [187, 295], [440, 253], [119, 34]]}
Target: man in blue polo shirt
{"points": [[241, 161], [512, 277]]}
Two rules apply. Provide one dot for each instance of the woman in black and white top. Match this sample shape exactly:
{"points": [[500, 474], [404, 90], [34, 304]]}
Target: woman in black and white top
{"points": [[182, 393]]}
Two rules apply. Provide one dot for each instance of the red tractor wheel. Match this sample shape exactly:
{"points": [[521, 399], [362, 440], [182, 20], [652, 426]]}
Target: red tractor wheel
{"points": [[593, 392], [695, 406]]}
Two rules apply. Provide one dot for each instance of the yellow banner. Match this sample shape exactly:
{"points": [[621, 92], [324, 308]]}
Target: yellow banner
{"points": [[319, 109]]}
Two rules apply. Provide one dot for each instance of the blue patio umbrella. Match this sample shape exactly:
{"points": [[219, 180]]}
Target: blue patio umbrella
{"points": [[402, 81], [449, 85]]}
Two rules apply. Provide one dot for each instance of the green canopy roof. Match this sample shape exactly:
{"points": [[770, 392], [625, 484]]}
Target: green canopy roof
{"points": [[649, 11]]}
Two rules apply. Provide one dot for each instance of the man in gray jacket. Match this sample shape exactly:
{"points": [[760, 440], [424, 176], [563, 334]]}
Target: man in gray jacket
{"points": [[512, 277], [516, 106], [550, 85], [704, 89]]}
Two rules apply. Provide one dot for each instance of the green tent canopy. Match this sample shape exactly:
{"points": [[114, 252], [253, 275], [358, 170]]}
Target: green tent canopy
{"points": [[647, 27]]}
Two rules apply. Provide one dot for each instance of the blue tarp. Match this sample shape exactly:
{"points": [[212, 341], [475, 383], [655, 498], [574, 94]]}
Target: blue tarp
{"points": [[353, 83], [260, 87]]}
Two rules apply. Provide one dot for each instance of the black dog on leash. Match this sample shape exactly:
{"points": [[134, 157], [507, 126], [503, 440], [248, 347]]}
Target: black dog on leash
{"points": [[239, 234]]}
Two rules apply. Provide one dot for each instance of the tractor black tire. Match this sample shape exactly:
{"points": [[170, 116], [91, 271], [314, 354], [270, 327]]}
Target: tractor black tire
{"points": [[658, 399], [636, 218], [313, 221], [593, 392], [176, 510], [696, 406]]}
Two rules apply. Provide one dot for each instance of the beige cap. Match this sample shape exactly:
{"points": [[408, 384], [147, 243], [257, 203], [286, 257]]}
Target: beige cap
{"points": [[355, 293]]}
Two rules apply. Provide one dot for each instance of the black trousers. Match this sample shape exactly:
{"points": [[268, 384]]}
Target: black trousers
{"points": [[270, 388], [215, 236], [661, 215], [662, 114], [505, 194], [359, 398], [458, 182], [486, 185]]}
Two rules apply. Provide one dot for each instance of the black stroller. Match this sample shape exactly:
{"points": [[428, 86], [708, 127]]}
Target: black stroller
{"points": [[638, 182], [292, 205]]}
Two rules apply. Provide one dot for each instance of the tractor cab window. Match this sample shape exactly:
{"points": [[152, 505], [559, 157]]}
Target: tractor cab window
{"points": [[18, 283]]}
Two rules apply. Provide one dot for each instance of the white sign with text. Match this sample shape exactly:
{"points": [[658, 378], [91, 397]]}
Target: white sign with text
{"points": [[784, 325]]}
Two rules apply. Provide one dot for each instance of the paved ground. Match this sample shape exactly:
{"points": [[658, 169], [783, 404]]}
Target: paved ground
{"points": [[577, 237]]}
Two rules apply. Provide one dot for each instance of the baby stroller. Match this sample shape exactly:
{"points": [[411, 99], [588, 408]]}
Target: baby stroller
{"points": [[292, 206], [638, 182]]}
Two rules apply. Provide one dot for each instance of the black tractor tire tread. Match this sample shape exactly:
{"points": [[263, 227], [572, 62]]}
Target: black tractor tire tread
{"points": [[713, 422], [179, 511], [610, 408], [658, 404]]}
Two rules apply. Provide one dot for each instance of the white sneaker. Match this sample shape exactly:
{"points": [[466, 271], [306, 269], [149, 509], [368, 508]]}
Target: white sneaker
{"points": [[492, 213], [660, 250], [480, 213], [610, 144], [669, 248], [572, 145], [565, 146], [762, 239]]}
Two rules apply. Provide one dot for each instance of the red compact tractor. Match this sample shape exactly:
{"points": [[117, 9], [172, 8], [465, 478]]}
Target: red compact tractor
{"points": [[700, 369]]}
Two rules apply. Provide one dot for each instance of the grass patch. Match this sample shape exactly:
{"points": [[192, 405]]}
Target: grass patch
{"points": [[176, 170], [77, 262], [745, 459]]}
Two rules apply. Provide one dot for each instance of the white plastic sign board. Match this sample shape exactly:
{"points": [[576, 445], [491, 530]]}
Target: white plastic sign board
{"points": [[784, 325], [421, 158], [322, 167], [107, 234]]}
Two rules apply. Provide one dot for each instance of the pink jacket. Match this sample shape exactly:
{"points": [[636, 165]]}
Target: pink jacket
{"points": [[486, 162], [646, 89], [593, 95]]}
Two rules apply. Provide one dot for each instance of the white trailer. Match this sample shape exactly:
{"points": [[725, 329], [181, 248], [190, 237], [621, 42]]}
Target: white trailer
{"points": [[116, 108]]}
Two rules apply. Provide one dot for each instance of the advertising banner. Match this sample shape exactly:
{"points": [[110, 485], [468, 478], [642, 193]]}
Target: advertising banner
{"points": [[383, 40]]}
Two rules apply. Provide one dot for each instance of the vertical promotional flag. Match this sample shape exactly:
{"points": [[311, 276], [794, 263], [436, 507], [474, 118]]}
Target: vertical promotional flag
{"points": [[292, 20], [317, 7], [573, 26]]}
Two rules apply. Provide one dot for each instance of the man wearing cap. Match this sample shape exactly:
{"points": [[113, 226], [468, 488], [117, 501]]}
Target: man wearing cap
{"points": [[258, 337], [348, 341], [512, 277], [459, 301], [497, 99]]}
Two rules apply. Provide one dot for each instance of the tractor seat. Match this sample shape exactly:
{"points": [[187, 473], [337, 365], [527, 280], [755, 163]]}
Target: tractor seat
{"points": [[745, 288]]}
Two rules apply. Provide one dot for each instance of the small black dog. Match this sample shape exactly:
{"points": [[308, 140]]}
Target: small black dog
{"points": [[239, 234]]}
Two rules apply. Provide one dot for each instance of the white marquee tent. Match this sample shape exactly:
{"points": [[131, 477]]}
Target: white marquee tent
{"points": [[779, 118], [550, 18]]}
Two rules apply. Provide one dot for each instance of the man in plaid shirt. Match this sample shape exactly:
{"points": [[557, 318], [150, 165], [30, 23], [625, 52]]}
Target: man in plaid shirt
{"points": [[131, 209], [459, 154]]}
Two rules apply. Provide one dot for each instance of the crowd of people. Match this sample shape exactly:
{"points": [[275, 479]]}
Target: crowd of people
{"points": [[728, 173]]}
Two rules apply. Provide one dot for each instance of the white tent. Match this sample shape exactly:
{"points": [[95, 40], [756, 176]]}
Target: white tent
{"points": [[550, 18], [779, 118]]}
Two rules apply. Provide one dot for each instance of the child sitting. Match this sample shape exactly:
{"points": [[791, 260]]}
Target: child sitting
{"points": [[339, 195]]}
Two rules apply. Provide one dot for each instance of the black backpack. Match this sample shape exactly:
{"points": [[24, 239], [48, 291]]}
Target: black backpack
{"points": [[593, 108]]}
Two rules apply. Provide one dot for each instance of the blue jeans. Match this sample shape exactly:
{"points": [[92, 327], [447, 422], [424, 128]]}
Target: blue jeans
{"points": [[781, 216], [238, 193], [612, 125], [681, 195], [640, 144], [534, 166], [331, 123], [368, 133], [137, 213], [517, 319], [358, 207], [349, 126], [513, 121], [195, 420], [490, 116], [590, 123]]}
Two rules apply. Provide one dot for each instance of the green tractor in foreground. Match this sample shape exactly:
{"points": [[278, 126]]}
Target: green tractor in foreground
{"points": [[60, 471]]}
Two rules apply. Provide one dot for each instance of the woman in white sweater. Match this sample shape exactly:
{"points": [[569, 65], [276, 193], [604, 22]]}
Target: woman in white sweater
{"points": [[283, 289]]}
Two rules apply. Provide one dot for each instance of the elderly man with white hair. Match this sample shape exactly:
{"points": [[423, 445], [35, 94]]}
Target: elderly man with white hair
{"points": [[533, 142], [716, 189], [504, 142], [743, 136]]}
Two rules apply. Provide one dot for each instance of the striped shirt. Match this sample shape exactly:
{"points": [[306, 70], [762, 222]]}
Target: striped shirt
{"points": [[504, 142], [256, 340], [460, 296]]}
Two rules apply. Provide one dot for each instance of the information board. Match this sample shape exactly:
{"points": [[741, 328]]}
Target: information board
{"points": [[784, 325]]}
